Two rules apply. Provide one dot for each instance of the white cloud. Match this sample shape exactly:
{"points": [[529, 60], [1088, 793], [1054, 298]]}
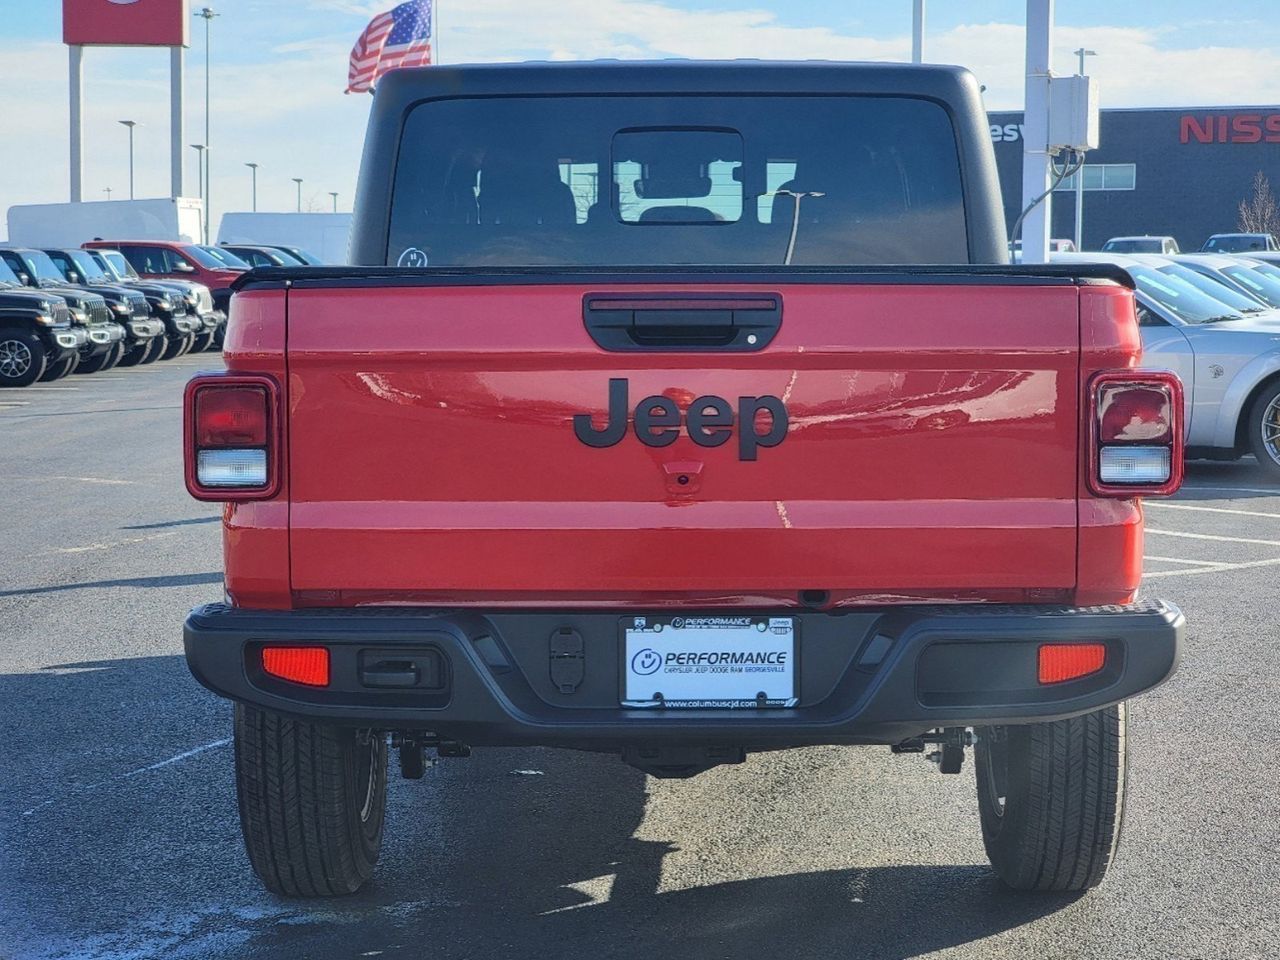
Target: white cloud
{"points": [[288, 113]]}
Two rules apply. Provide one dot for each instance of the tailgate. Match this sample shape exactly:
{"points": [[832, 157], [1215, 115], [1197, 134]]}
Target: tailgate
{"points": [[930, 452]]}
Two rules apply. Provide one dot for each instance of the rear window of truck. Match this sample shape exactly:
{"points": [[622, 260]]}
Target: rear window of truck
{"points": [[677, 180]]}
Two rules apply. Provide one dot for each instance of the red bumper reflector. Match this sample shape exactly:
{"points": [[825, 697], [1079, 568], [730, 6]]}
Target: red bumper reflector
{"points": [[308, 665], [1068, 661]]}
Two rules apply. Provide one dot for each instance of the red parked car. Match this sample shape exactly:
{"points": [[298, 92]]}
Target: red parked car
{"points": [[608, 441], [173, 259]]}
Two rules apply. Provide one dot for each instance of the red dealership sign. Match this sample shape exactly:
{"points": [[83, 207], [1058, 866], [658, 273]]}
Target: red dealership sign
{"points": [[1229, 128], [125, 23]]}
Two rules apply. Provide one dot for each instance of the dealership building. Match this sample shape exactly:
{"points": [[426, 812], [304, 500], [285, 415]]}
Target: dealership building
{"points": [[1177, 171]]}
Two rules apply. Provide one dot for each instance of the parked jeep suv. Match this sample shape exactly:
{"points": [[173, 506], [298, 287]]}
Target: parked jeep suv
{"points": [[36, 333], [165, 304], [173, 260], [103, 340], [199, 299]]}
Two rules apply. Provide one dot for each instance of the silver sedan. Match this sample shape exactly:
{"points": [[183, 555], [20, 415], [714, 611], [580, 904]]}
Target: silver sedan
{"points": [[1223, 345]]}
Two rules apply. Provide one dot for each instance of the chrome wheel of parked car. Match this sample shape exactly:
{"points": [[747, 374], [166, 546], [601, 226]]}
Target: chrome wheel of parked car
{"points": [[1271, 428], [15, 358], [1264, 429], [22, 358]]}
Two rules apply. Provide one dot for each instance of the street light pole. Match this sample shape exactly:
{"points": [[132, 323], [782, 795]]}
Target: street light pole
{"points": [[130, 124], [107, 191], [298, 181], [917, 32], [207, 14], [1079, 236], [334, 194], [204, 209], [253, 167]]}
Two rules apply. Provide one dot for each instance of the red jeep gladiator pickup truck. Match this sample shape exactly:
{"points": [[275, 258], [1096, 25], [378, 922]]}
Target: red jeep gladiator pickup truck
{"points": [[679, 411]]}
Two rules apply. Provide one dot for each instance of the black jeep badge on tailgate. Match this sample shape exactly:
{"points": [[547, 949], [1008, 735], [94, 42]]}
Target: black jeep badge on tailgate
{"points": [[710, 421]]}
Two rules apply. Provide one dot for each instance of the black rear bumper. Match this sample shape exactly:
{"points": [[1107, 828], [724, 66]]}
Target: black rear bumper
{"points": [[865, 676]]}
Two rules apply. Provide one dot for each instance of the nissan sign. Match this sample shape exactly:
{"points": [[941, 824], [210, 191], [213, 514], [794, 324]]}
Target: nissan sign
{"points": [[125, 23]]}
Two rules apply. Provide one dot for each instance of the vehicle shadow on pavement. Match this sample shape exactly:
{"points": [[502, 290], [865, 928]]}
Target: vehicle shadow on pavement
{"points": [[1243, 479], [173, 523], [172, 580], [124, 841]]}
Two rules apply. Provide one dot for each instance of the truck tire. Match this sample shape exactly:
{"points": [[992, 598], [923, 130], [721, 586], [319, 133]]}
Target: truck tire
{"points": [[103, 361], [22, 358], [133, 354], [1051, 799], [155, 347], [1264, 430], [312, 802], [60, 368]]}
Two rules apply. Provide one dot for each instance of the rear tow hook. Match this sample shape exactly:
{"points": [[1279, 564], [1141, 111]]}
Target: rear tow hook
{"points": [[951, 743], [413, 752]]}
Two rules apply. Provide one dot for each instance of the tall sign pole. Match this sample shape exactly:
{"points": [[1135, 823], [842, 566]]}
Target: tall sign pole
{"points": [[75, 53], [1036, 166], [124, 23], [177, 125]]}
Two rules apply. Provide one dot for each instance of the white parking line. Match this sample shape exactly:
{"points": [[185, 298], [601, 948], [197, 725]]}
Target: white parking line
{"points": [[1215, 568], [59, 387], [110, 545], [74, 479], [1242, 513], [1190, 563], [1273, 491], [133, 773], [1211, 536]]}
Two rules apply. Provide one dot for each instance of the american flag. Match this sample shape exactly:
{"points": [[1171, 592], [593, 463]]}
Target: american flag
{"points": [[400, 38]]}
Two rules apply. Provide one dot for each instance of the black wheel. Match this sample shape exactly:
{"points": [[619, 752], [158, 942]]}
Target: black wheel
{"points": [[1264, 429], [174, 348], [134, 355], [116, 355], [1051, 799], [312, 802], [60, 368], [103, 361], [203, 340], [155, 347], [22, 358]]}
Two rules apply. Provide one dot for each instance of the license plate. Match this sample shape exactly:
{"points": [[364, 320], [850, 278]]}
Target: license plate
{"points": [[709, 662]]}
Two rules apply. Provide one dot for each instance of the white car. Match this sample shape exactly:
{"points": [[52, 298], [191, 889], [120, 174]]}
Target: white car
{"points": [[1142, 244]]}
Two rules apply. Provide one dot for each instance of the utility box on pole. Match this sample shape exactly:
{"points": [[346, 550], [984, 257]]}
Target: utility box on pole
{"points": [[1073, 114]]}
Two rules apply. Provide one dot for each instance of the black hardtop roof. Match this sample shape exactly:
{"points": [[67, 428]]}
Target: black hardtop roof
{"points": [[706, 77], [954, 88]]}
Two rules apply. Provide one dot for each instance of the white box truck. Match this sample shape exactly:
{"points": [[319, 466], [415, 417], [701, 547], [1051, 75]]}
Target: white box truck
{"points": [[71, 224]]}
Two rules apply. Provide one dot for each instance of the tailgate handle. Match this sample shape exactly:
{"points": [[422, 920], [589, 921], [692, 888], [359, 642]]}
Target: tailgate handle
{"points": [[692, 322]]}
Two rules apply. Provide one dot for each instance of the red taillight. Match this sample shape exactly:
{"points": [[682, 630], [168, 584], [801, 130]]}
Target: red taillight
{"points": [[306, 665], [1135, 413], [1060, 662], [1135, 434], [232, 437], [231, 417]]}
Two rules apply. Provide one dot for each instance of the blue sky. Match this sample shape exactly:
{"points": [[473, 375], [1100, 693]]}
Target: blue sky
{"points": [[279, 70]]}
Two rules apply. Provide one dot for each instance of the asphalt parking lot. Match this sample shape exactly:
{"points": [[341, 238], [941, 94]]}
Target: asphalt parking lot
{"points": [[119, 837]]}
